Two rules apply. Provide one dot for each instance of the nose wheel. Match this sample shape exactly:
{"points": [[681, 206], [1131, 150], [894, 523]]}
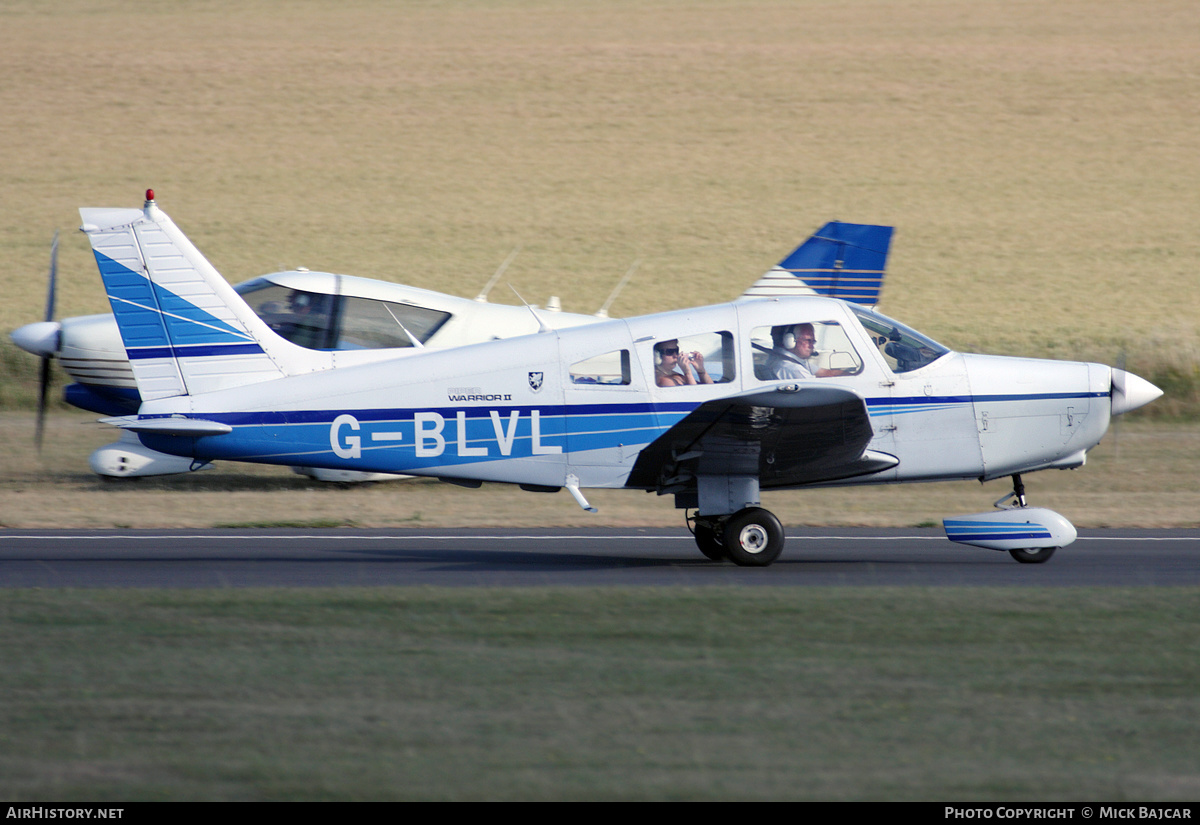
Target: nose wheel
{"points": [[1037, 556], [1034, 555], [1029, 534]]}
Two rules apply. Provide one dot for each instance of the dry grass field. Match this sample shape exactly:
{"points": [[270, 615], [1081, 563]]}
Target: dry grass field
{"points": [[1040, 161], [1146, 477]]}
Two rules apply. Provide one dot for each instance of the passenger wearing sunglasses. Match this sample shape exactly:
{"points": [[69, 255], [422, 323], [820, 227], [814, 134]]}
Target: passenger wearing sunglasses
{"points": [[673, 368]]}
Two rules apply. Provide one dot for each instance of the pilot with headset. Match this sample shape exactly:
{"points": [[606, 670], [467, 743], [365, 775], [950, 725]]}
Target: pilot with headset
{"points": [[794, 346], [791, 357]]}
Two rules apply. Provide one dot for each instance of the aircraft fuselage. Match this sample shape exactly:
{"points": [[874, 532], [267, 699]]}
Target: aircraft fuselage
{"points": [[584, 402]]}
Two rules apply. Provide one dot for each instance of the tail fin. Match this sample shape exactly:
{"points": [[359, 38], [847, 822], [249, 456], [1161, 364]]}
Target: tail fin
{"points": [[184, 328], [842, 260]]}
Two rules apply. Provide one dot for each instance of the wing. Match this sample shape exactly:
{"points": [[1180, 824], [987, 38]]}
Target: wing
{"points": [[790, 435]]}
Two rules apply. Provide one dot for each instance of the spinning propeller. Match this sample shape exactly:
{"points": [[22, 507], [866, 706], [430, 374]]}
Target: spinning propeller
{"points": [[44, 377], [43, 340]]}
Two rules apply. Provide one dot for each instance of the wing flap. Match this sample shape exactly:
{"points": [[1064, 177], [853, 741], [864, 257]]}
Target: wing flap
{"points": [[789, 435]]}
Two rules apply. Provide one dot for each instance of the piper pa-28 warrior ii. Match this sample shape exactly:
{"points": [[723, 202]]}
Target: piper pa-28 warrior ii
{"points": [[710, 405], [329, 313]]}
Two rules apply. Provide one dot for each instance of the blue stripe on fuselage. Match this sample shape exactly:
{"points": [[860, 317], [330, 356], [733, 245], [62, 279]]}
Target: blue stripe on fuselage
{"points": [[401, 440], [921, 403], [410, 440]]}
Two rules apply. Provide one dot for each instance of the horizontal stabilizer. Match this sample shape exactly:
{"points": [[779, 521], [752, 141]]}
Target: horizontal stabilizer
{"points": [[842, 260], [173, 425]]}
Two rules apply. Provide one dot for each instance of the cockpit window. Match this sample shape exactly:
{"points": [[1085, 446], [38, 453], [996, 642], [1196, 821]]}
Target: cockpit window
{"points": [[902, 347], [319, 321]]}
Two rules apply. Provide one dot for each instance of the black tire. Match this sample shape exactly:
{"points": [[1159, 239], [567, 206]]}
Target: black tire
{"points": [[753, 537], [708, 539], [1037, 556]]}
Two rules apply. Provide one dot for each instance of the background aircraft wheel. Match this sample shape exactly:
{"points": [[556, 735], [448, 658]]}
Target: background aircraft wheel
{"points": [[753, 537], [1037, 556], [708, 539]]}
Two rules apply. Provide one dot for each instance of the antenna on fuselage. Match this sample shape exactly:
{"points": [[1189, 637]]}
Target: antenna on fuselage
{"points": [[541, 324], [482, 296], [602, 312]]}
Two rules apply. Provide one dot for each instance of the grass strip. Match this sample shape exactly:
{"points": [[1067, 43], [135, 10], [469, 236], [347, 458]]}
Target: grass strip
{"points": [[560, 694]]}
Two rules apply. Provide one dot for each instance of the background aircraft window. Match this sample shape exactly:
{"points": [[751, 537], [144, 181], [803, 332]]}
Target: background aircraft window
{"points": [[817, 349], [304, 318], [611, 368], [716, 353], [902, 347], [366, 324], [319, 321]]}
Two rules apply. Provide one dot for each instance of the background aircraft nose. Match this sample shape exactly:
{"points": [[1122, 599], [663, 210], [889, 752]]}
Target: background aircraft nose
{"points": [[1130, 392], [41, 338]]}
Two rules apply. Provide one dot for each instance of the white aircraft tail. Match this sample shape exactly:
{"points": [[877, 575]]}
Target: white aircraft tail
{"points": [[184, 328]]}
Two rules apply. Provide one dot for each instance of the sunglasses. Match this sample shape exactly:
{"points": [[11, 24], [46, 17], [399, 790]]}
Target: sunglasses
{"points": [[670, 351]]}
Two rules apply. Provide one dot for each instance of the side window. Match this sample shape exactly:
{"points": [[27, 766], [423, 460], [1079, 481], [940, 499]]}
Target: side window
{"points": [[802, 351], [707, 358], [367, 324], [609, 369]]}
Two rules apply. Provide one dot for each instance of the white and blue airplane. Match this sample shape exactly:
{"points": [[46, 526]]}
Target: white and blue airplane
{"points": [[327, 312], [708, 405]]}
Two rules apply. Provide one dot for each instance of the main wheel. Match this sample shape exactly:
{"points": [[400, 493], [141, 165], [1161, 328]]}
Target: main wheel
{"points": [[1038, 556], [708, 539], [753, 537]]}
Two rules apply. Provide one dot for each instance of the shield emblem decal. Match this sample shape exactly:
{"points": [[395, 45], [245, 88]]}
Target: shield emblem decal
{"points": [[535, 381]]}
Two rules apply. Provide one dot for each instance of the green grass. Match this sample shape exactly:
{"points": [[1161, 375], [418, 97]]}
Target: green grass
{"points": [[719, 693]]}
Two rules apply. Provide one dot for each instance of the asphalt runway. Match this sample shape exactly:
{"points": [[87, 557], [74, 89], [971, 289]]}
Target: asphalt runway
{"points": [[593, 557]]}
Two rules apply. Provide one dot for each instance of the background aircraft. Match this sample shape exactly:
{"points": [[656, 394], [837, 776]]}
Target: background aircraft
{"points": [[610, 404], [326, 312]]}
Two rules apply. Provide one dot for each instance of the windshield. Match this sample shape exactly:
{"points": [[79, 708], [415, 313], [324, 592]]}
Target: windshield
{"points": [[902, 347]]}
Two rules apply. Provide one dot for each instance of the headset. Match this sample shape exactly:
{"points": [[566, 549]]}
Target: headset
{"points": [[785, 336]]}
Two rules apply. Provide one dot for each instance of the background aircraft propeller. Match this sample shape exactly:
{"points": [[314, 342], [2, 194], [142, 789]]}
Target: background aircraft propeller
{"points": [[44, 377]]}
